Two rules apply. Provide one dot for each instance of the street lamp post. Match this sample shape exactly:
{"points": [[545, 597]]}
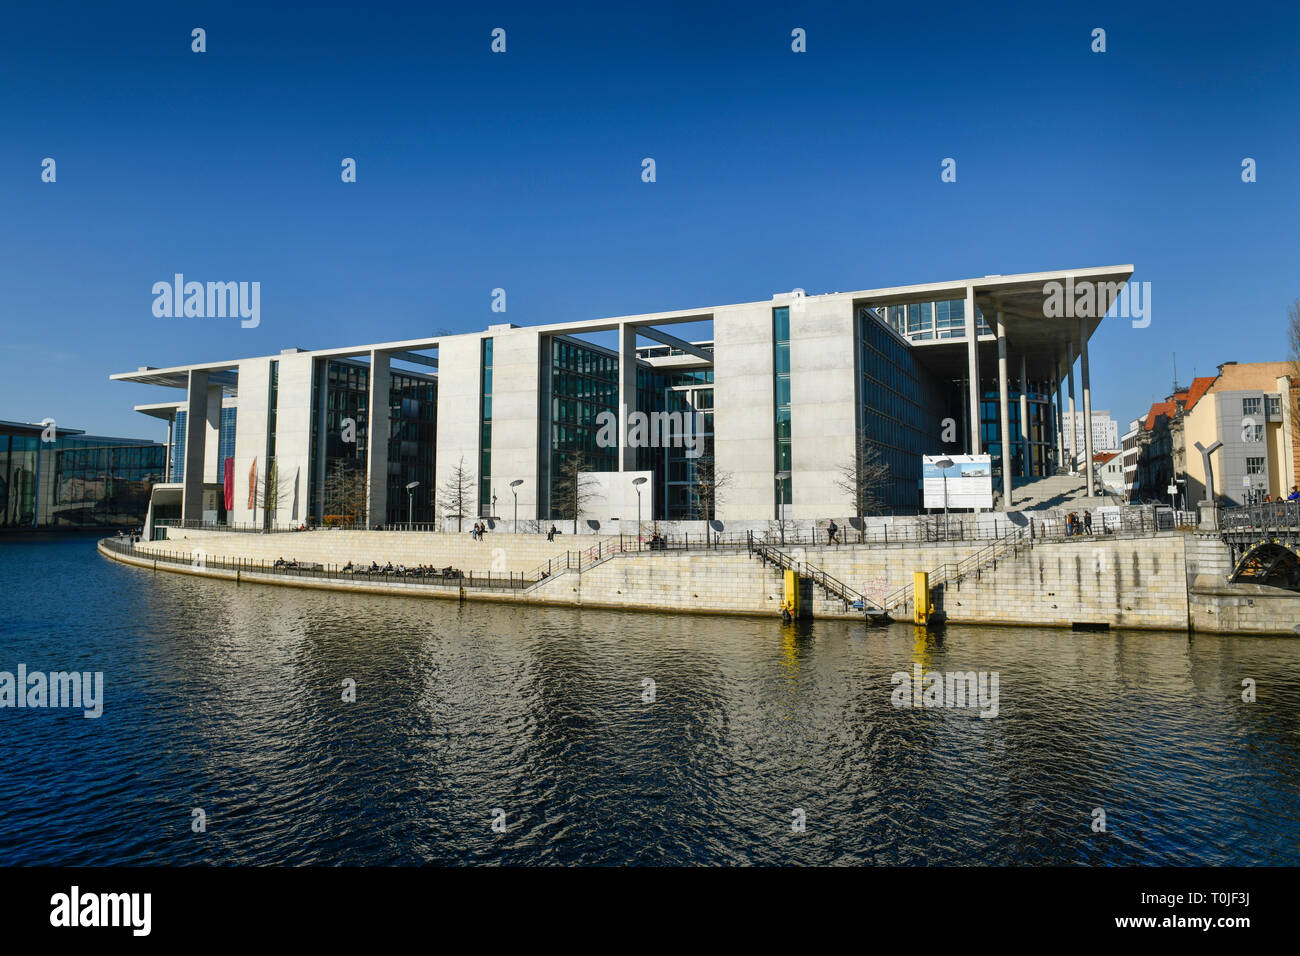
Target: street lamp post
{"points": [[944, 464], [781, 478], [637, 483], [514, 489], [410, 498]]}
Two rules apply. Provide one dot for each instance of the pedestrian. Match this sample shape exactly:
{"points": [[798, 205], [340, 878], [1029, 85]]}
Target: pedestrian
{"points": [[550, 535], [831, 531], [1087, 522], [1295, 494]]}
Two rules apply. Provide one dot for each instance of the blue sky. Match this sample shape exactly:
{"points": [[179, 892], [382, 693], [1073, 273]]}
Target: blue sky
{"points": [[775, 170]]}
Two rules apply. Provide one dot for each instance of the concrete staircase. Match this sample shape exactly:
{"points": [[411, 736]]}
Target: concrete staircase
{"points": [[1066, 492]]}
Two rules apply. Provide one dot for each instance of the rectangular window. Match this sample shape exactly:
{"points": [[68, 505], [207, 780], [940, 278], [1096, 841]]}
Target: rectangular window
{"points": [[1254, 466], [781, 392], [1274, 406], [1251, 406], [485, 434]]}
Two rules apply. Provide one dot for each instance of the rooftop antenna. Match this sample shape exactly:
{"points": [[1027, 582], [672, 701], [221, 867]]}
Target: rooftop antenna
{"points": [[1175, 354]]}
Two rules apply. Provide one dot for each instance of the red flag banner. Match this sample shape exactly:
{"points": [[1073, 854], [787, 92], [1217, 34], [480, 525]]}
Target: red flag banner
{"points": [[228, 482]]}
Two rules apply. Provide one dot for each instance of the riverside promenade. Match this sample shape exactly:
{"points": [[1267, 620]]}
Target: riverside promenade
{"points": [[1135, 576]]}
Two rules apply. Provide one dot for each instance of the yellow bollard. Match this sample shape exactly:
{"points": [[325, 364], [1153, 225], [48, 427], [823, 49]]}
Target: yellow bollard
{"points": [[793, 601], [921, 606]]}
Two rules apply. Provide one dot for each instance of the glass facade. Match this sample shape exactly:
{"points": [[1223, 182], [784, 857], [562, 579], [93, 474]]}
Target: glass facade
{"points": [[1042, 439], [485, 433], [923, 321], [343, 435], [76, 481], [413, 418], [412, 441], [900, 405], [583, 382], [782, 478], [178, 448], [689, 392]]}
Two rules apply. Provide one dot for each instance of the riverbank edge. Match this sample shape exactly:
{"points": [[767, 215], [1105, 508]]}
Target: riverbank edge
{"points": [[455, 593]]}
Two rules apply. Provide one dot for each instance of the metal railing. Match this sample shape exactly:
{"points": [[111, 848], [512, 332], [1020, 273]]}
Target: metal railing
{"points": [[832, 586], [191, 524], [1276, 515], [972, 564], [444, 577]]}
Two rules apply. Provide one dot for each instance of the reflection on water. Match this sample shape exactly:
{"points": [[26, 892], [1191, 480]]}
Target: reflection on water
{"points": [[229, 699]]}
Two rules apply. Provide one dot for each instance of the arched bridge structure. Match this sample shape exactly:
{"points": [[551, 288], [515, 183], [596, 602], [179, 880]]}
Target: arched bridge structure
{"points": [[1265, 543]]}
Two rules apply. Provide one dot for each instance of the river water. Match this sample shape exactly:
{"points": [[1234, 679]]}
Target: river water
{"points": [[229, 700]]}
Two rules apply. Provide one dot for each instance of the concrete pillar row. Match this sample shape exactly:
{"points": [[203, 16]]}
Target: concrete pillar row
{"points": [[1069, 369], [1087, 402], [1058, 407], [1004, 412], [626, 394]]}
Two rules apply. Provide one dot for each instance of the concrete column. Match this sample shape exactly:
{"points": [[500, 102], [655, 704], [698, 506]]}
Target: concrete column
{"points": [[626, 394], [320, 372], [1026, 459], [1087, 401], [377, 430], [212, 436], [1069, 370], [1059, 409], [973, 370], [1004, 412], [196, 440]]}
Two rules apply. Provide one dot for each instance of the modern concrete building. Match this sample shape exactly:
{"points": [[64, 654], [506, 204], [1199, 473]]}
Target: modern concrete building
{"points": [[762, 417]]}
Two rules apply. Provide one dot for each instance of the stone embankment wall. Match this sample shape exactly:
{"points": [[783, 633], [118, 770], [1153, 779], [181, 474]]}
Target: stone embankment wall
{"points": [[1172, 580]]}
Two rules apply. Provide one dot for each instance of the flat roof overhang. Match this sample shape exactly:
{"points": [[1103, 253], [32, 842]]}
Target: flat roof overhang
{"points": [[177, 376], [164, 410], [1023, 300], [1020, 297]]}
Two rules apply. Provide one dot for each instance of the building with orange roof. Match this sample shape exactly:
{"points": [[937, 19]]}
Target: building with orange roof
{"points": [[1156, 452], [1251, 409]]}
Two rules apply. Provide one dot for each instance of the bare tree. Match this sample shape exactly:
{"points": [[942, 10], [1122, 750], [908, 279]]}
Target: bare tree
{"points": [[862, 477], [457, 490], [574, 489], [345, 492], [271, 494], [708, 485]]}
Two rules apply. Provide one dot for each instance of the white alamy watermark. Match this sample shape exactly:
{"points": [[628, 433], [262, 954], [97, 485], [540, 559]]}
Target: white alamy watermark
{"points": [[965, 689], [74, 908], [210, 300], [1085, 299], [653, 430], [77, 690]]}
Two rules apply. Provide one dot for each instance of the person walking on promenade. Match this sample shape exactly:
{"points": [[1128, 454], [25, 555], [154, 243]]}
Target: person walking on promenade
{"points": [[1087, 522], [831, 531]]}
